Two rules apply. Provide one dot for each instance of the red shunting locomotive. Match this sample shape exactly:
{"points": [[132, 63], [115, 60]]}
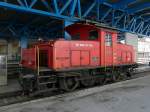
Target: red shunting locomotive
{"points": [[92, 56]]}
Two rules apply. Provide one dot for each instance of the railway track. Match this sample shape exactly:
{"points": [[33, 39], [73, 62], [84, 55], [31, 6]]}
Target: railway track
{"points": [[13, 98]]}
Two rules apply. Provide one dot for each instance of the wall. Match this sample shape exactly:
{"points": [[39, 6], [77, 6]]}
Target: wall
{"points": [[132, 39], [143, 50], [11, 48], [3, 70], [3, 46]]}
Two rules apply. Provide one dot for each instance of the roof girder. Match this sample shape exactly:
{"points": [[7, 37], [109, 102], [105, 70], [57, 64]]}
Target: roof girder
{"points": [[73, 10]]}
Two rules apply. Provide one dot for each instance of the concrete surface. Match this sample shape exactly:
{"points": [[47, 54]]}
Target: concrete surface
{"points": [[143, 68], [12, 86], [132, 39], [127, 96]]}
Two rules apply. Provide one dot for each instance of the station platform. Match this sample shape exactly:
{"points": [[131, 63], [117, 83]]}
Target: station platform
{"points": [[143, 68], [127, 96], [14, 87], [11, 88]]}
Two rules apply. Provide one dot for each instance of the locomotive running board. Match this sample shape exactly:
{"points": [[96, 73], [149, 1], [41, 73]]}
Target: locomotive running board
{"points": [[95, 67]]}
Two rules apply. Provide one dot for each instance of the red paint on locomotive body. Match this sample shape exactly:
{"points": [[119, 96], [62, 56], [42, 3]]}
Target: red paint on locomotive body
{"points": [[28, 58], [112, 53], [90, 46], [71, 54]]}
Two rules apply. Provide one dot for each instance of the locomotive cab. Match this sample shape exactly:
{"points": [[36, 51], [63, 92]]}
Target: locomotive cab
{"points": [[106, 38], [87, 32], [83, 32]]}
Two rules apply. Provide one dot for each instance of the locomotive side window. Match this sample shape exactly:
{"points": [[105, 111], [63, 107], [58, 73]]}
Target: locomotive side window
{"points": [[43, 58], [108, 39], [93, 35]]}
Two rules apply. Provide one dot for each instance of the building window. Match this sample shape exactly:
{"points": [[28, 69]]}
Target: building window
{"points": [[93, 35], [108, 39]]}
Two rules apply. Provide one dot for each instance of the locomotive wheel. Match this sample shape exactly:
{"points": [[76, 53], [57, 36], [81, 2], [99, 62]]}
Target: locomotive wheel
{"points": [[113, 78], [129, 74], [120, 76], [69, 83], [116, 76], [107, 78], [27, 83], [101, 81], [89, 81]]}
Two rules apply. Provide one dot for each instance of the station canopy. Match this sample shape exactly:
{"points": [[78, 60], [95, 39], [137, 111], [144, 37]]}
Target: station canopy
{"points": [[44, 17]]}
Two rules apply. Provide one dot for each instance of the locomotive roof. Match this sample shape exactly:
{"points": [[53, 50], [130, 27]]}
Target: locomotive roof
{"points": [[89, 26]]}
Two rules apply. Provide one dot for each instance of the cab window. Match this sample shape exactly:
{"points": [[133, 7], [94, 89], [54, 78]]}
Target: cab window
{"points": [[108, 39], [93, 35]]}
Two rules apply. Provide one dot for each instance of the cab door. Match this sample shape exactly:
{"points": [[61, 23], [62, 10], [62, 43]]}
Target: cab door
{"points": [[85, 58], [75, 58], [108, 49]]}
